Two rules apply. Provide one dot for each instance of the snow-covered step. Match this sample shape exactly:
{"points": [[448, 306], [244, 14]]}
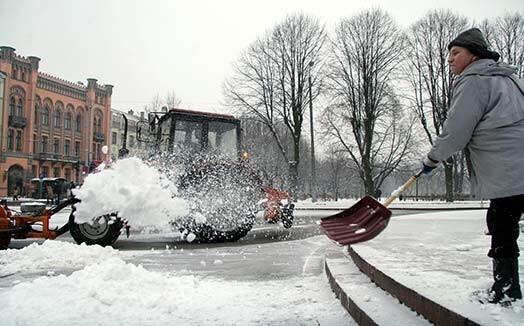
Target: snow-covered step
{"points": [[367, 303], [431, 310]]}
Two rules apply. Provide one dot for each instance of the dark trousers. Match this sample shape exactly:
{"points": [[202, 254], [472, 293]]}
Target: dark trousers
{"points": [[503, 224]]}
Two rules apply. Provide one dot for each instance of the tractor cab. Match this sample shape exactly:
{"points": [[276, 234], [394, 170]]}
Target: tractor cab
{"points": [[192, 133]]}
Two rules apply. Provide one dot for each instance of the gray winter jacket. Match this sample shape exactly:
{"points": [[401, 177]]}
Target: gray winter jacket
{"points": [[487, 118]]}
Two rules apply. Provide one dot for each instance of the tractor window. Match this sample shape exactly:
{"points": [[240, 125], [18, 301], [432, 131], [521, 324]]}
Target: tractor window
{"points": [[188, 136], [222, 137]]}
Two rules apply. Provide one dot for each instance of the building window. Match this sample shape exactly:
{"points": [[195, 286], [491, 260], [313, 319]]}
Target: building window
{"points": [[67, 174], [95, 154], [113, 138], [122, 139], [23, 75], [20, 108], [56, 172], [10, 136], [45, 116], [56, 145], [67, 121], [67, 145], [18, 140], [12, 106], [35, 141], [97, 124], [56, 118], [36, 114], [43, 145], [33, 170], [77, 149], [78, 123], [45, 171]]}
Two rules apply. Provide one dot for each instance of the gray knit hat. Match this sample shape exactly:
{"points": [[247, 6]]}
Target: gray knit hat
{"points": [[474, 41]]}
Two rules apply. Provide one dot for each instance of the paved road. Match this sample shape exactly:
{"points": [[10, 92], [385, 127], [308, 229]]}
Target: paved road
{"points": [[268, 253]]}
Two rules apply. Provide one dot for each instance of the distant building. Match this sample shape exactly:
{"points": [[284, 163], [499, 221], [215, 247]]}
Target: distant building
{"points": [[49, 127], [117, 132]]}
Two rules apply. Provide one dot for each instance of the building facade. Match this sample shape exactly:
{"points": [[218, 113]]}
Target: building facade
{"points": [[49, 127], [117, 135]]}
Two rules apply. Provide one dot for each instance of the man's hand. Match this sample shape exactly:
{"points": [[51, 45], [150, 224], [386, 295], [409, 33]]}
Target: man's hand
{"points": [[428, 164]]}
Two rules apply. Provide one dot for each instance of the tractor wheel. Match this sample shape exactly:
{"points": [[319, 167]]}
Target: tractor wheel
{"points": [[103, 231], [5, 239], [223, 200], [287, 216]]}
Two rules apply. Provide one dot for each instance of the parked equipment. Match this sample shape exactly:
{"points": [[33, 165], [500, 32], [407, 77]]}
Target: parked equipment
{"points": [[364, 220], [31, 222]]}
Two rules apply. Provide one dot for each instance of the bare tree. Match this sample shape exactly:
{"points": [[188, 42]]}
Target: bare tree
{"points": [[270, 81], [337, 171], [429, 76], [263, 152], [170, 101], [365, 117], [506, 35]]}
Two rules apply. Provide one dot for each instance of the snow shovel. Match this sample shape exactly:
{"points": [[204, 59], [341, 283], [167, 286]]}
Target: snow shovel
{"points": [[363, 221]]}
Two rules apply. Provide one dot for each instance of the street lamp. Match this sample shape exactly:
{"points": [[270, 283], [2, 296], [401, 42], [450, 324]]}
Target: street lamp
{"points": [[313, 172]]}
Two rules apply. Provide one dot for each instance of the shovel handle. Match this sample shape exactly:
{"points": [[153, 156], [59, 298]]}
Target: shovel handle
{"points": [[405, 186]]}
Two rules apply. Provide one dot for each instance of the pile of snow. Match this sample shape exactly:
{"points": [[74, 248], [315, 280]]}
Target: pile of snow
{"points": [[111, 291], [138, 191], [51, 256]]}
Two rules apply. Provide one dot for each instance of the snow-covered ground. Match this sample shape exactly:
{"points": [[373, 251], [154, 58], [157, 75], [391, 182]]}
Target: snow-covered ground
{"points": [[442, 255], [104, 287], [397, 204]]}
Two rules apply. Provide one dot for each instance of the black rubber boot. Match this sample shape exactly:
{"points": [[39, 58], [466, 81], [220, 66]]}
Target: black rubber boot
{"points": [[506, 276]]}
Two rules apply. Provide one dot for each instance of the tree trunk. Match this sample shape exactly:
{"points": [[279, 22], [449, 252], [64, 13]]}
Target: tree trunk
{"points": [[449, 179]]}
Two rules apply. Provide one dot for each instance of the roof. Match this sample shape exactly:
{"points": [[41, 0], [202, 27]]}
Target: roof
{"points": [[209, 114]]}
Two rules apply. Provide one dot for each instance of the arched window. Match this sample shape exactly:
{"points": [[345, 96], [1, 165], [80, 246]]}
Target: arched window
{"points": [[99, 124], [20, 108], [35, 142], [45, 116], [57, 116], [36, 114], [12, 106], [67, 120], [78, 123]]}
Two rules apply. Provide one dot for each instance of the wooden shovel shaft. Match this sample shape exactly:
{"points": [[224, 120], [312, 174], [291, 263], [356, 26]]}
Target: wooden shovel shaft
{"points": [[405, 186]]}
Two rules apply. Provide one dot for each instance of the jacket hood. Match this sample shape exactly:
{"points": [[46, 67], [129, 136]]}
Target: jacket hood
{"points": [[488, 67]]}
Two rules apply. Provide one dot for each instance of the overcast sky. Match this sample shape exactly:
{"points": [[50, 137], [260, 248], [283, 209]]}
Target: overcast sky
{"points": [[152, 47]]}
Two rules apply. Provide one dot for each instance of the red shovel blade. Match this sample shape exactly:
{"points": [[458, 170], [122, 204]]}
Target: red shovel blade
{"points": [[361, 222]]}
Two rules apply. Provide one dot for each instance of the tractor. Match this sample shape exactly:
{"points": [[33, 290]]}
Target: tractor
{"points": [[214, 174], [201, 153]]}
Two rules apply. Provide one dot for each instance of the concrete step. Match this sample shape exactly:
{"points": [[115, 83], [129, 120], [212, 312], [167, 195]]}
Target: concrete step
{"points": [[364, 300]]}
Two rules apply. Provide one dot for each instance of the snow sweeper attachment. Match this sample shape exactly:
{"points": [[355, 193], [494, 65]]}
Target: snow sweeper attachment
{"points": [[362, 221]]}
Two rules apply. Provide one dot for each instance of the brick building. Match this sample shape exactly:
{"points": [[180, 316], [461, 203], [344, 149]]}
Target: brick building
{"points": [[49, 127]]}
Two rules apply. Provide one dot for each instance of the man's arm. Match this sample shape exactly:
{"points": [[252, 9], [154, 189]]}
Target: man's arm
{"points": [[467, 108]]}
